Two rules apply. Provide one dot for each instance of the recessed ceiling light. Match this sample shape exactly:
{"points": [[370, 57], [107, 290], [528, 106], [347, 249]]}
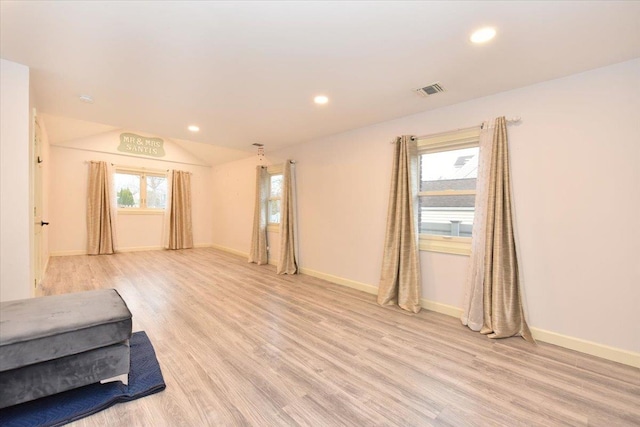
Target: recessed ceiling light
{"points": [[86, 98], [320, 99], [193, 128], [483, 35]]}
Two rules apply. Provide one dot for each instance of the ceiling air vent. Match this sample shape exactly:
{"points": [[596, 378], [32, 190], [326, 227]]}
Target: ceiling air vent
{"points": [[432, 89]]}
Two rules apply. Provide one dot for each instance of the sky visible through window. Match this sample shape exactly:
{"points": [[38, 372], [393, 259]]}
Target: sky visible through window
{"points": [[454, 164]]}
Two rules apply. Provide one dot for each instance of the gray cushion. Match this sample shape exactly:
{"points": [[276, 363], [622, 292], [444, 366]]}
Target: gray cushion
{"points": [[35, 381], [40, 329]]}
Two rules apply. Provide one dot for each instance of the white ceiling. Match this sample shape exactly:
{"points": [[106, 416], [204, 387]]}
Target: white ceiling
{"points": [[246, 72]]}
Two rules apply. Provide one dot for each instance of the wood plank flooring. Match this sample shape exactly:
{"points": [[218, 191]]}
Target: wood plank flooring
{"points": [[241, 346]]}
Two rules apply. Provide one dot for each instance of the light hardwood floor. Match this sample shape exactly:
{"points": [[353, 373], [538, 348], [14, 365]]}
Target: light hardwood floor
{"points": [[239, 345]]}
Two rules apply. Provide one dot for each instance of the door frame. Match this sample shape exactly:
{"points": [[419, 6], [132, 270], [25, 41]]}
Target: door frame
{"points": [[36, 201]]}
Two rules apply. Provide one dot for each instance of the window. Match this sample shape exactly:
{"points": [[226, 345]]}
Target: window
{"points": [[275, 197], [140, 191], [448, 173]]}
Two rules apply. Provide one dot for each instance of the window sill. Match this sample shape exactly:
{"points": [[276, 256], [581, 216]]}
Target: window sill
{"points": [[446, 245], [273, 228], [135, 211]]}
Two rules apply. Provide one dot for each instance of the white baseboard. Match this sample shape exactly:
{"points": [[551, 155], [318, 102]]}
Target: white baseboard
{"points": [[230, 250], [68, 253], [589, 347], [129, 249], [158, 248], [438, 307], [140, 249], [370, 289], [595, 349], [271, 261], [606, 352], [202, 245]]}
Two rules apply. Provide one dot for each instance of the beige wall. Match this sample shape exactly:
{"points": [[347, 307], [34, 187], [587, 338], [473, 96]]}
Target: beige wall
{"points": [[232, 188], [68, 188], [15, 218], [576, 184]]}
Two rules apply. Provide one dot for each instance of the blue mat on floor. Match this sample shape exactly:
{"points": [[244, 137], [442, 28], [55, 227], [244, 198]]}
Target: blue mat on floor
{"points": [[145, 378]]}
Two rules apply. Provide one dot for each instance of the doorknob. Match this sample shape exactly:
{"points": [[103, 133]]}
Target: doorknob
{"points": [[43, 223]]}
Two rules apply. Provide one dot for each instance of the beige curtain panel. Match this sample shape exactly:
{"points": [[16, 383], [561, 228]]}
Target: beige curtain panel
{"points": [[101, 228], [288, 259], [400, 278], [180, 225], [503, 315], [258, 251], [166, 219], [473, 309]]}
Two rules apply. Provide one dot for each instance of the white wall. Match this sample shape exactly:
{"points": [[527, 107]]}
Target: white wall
{"points": [[232, 192], [576, 184], [232, 188], [68, 189], [15, 267]]}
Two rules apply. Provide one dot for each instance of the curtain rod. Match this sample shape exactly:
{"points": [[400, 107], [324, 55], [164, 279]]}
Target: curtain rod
{"points": [[445, 132], [134, 168], [142, 168], [130, 167], [293, 162], [515, 119]]}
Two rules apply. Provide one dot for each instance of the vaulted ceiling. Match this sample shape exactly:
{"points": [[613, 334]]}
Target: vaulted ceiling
{"points": [[247, 72]]}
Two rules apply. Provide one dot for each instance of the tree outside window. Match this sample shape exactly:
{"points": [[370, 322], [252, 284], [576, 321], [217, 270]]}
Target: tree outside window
{"points": [[140, 190]]}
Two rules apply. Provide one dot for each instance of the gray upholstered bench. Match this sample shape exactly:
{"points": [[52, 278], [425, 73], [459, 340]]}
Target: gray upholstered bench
{"points": [[56, 343]]}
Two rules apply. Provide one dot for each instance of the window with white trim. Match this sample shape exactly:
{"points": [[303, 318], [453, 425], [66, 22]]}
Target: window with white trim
{"points": [[448, 173], [140, 191], [275, 197]]}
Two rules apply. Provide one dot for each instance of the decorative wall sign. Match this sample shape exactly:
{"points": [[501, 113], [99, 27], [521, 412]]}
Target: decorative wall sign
{"points": [[132, 143]]}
